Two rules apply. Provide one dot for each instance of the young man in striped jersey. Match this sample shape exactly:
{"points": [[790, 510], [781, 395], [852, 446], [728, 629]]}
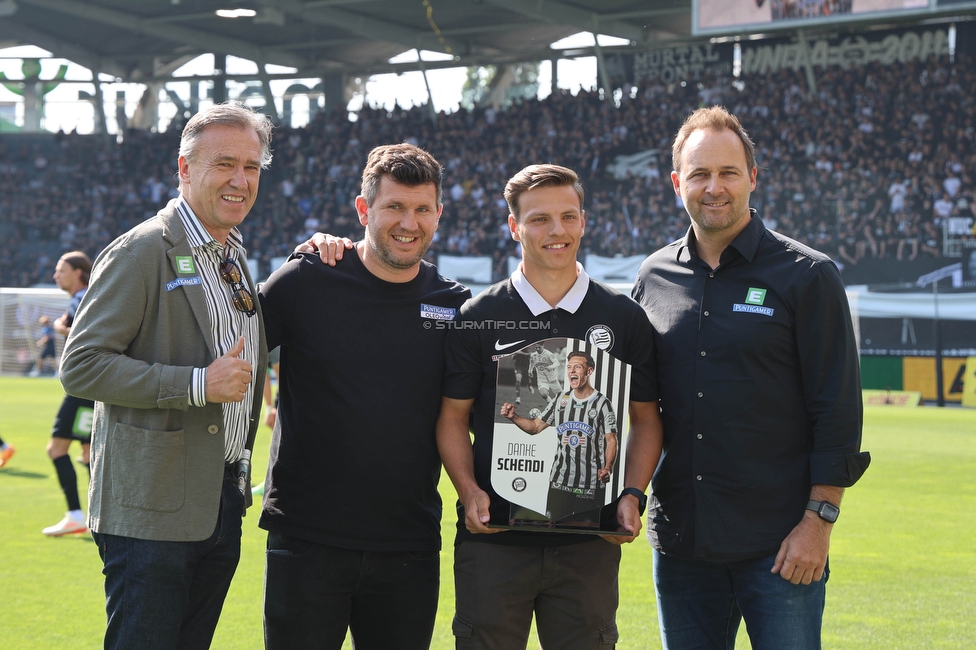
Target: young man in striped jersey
{"points": [[587, 431]]}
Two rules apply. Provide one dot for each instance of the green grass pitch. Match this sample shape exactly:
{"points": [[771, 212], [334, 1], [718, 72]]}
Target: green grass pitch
{"points": [[903, 556]]}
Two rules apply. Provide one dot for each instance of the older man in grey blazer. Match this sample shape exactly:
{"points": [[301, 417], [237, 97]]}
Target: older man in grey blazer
{"points": [[169, 343]]}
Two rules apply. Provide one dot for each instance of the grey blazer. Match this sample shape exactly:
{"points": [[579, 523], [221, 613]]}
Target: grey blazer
{"points": [[157, 464]]}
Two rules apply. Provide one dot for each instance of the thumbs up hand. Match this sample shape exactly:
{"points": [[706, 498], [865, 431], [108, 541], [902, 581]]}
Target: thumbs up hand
{"points": [[228, 376]]}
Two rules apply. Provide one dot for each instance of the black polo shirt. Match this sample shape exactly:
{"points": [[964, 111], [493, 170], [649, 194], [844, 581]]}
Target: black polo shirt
{"points": [[760, 392], [510, 315]]}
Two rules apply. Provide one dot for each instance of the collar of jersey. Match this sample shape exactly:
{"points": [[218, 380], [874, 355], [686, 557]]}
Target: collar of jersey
{"points": [[537, 304]]}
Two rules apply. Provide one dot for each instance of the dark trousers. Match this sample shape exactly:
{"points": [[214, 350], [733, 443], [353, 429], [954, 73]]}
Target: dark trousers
{"points": [[169, 594], [571, 590], [313, 593]]}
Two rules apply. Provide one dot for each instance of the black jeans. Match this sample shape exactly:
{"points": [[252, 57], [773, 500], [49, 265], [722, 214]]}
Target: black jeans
{"points": [[313, 593]]}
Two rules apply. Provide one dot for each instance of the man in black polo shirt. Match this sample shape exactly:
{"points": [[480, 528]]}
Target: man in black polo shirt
{"points": [[761, 405], [569, 581]]}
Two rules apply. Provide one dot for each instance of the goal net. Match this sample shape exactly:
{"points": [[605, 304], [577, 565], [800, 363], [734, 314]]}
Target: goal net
{"points": [[20, 329]]}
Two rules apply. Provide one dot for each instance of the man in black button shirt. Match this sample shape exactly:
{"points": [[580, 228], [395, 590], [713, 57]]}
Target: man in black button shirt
{"points": [[761, 407]]}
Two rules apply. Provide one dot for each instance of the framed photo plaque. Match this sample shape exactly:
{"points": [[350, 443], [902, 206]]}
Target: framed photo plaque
{"points": [[560, 437]]}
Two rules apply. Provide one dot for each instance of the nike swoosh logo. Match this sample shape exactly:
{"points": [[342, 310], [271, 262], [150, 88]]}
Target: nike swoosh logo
{"points": [[500, 347]]}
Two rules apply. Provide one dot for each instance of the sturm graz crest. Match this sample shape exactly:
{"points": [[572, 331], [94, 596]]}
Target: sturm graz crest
{"points": [[601, 337]]}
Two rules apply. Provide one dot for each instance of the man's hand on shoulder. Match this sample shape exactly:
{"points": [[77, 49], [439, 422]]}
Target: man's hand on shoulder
{"points": [[329, 247], [228, 376]]}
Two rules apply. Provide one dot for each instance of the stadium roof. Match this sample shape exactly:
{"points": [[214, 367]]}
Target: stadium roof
{"points": [[146, 40]]}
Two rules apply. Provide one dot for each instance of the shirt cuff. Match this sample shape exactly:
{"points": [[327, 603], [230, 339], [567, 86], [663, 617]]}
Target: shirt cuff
{"points": [[838, 469], [198, 387]]}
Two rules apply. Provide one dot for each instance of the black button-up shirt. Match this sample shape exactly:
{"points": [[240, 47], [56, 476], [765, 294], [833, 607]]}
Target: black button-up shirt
{"points": [[760, 392]]}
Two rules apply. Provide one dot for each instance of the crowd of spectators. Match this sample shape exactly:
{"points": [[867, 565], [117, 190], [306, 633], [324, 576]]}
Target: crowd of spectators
{"points": [[872, 164]]}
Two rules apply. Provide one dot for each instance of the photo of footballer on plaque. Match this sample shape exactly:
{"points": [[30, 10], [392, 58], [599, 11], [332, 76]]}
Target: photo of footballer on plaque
{"points": [[559, 439]]}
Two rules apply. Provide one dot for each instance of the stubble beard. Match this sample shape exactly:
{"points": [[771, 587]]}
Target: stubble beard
{"points": [[715, 224], [388, 257]]}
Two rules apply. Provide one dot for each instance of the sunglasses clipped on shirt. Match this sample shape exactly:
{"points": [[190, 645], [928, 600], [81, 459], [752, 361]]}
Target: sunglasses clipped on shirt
{"points": [[231, 273]]}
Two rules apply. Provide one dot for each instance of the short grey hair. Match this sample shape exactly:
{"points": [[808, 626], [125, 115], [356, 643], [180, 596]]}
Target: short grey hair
{"points": [[233, 114]]}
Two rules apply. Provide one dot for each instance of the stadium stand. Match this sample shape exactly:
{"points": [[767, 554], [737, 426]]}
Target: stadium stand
{"points": [[874, 168]]}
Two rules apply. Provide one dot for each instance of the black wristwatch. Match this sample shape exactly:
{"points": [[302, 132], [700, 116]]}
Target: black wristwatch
{"points": [[641, 497], [825, 510]]}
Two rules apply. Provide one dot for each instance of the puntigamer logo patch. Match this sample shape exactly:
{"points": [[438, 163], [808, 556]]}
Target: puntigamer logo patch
{"points": [[183, 282], [437, 313], [753, 303]]}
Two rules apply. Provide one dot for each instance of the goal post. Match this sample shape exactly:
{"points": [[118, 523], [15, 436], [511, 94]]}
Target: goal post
{"points": [[20, 313]]}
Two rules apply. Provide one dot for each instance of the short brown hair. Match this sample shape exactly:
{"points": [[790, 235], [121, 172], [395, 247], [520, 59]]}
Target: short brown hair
{"points": [[716, 118], [78, 260], [535, 176], [405, 164]]}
